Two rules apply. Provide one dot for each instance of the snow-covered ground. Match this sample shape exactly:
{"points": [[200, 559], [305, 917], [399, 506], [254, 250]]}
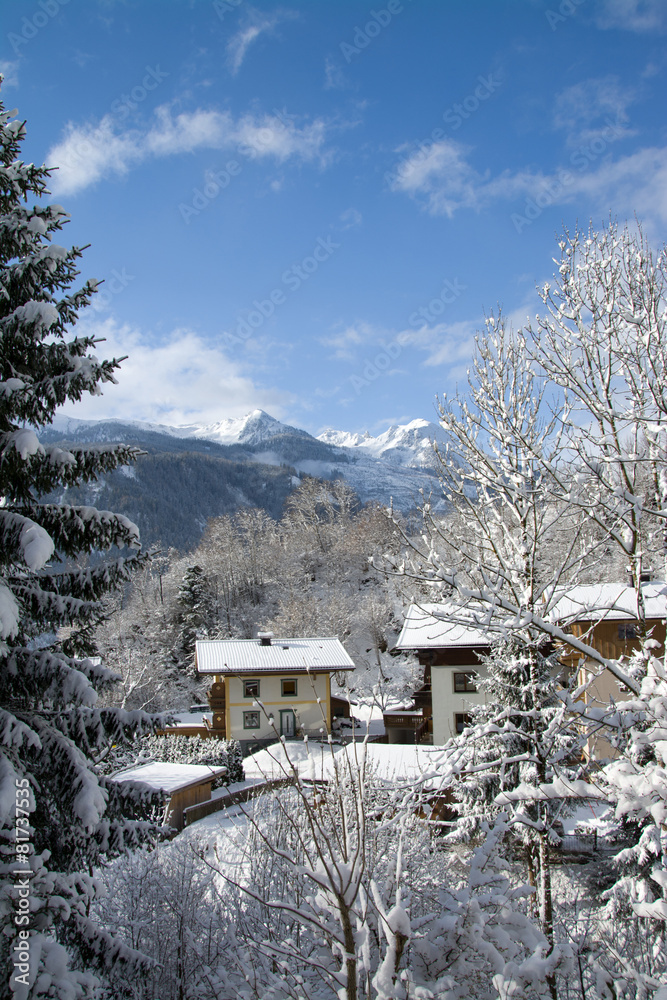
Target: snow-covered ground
{"points": [[370, 719], [276, 762], [222, 829], [591, 815]]}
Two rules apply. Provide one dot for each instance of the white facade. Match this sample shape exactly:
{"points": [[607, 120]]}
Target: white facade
{"points": [[448, 650], [268, 687], [450, 707]]}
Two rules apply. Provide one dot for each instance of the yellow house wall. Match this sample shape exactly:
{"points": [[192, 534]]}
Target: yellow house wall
{"points": [[305, 706]]}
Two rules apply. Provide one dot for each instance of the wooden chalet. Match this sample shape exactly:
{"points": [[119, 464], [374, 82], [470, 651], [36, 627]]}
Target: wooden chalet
{"points": [[605, 617]]}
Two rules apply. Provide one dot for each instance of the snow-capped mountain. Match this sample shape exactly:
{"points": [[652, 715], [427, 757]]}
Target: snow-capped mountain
{"points": [[401, 444], [197, 471], [408, 445], [252, 429]]}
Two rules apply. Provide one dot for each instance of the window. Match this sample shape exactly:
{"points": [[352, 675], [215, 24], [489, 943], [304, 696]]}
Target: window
{"points": [[251, 689], [465, 682], [461, 721], [288, 688], [626, 632], [251, 720]]}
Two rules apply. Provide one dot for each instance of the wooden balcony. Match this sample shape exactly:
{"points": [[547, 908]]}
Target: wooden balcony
{"points": [[406, 726], [217, 700], [423, 698]]}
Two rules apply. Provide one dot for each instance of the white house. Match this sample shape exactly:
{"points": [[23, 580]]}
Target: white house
{"points": [[450, 655], [266, 687]]}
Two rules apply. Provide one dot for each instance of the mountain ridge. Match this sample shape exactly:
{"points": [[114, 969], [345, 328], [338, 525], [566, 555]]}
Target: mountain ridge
{"points": [[257, 427], [198, 471]]}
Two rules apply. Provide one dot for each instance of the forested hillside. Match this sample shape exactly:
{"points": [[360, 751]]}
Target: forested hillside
{"points": [[183, 480], [306, 573]]}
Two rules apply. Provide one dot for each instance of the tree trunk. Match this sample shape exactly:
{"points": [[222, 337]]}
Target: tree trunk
{"points": [[350, 951]]}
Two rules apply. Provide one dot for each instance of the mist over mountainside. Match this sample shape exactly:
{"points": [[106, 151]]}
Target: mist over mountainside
{"points": [[192, 473]]}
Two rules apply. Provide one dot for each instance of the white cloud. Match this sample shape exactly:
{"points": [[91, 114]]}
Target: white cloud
{"points": [[443, 343], [276, 136], [632, 15], [443, 179], [239, 43], [334, 78], [442, 172], [10, 72], [350, 218], [184, 379], [187, 132], [586, 108], [345, 343], [89, 153]]}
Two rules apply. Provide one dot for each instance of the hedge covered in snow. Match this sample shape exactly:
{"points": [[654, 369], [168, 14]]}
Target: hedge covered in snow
{"points": [[194, 750]]}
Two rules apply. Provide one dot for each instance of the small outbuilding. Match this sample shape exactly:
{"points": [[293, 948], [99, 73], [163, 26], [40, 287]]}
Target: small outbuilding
{"points": [[184, 785]]}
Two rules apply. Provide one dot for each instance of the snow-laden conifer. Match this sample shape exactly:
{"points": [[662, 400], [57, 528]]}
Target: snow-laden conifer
{"points": [[52, 734]]}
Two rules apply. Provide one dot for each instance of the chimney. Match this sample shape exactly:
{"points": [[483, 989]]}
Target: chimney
{"points": [[265, 638]]}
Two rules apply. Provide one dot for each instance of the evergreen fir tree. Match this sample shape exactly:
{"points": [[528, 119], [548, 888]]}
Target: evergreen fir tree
{"points": [[519, 739], [196, 614], [59, 817]]}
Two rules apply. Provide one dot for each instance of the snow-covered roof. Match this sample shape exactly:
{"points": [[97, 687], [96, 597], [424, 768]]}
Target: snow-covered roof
{"points": [[165, 777], [426, 627], [296, 656], [610, 601], [192, 718]]}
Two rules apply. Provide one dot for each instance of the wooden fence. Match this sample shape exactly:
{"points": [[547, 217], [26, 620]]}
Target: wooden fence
{"points": [[202, 809]]}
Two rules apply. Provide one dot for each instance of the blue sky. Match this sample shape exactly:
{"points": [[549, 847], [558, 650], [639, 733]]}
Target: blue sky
{"points": [[308, 207]]}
